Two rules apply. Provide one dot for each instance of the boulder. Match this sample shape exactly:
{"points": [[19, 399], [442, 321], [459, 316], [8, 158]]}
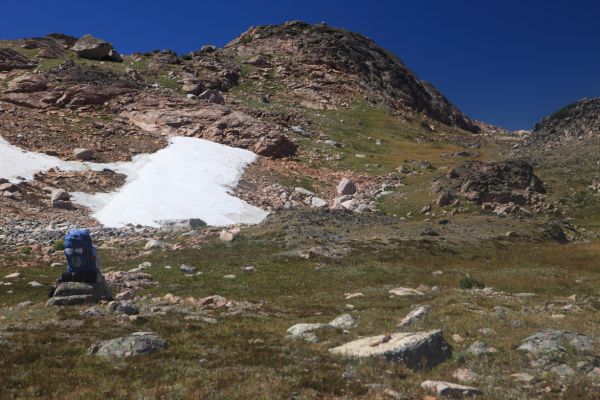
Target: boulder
{"points": [[60, 198], [453, 390], [83, 154], [212, 96], [416, 350], [93, 48], [9, 187], [346, 187], [135, 344]]}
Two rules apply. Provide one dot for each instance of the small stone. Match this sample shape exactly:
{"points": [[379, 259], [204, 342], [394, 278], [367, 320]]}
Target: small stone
{"points": [[226, 236], [229, 276], [317, 202], [186, 269], [35, 284], [480, 349], [155, 244], [14, 275], [300, 329], [523, 377], [349, 296], [465, 375], [487, 331]]}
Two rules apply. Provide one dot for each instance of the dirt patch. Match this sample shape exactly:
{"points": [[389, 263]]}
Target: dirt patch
{"points": [[59, 132], [88, 181]]}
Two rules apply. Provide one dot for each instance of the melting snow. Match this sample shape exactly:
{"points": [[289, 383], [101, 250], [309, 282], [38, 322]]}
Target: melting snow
{"points": [[190, 178]]}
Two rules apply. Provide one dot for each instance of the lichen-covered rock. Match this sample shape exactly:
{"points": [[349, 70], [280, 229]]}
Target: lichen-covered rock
{"points": [[135, 344]]}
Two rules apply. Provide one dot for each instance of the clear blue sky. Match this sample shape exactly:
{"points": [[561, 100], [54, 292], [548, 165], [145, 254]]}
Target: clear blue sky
{"points": [[507, 62]]}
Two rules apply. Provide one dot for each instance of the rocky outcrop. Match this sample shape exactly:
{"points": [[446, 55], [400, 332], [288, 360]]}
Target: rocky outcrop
{"points": [[342, 66], [11, 59], [490, 182], [213, 122], [93, 48], [415, 350], [70, 87]]}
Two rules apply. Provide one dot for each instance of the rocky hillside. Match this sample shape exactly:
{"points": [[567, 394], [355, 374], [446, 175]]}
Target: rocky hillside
{"points": [[331, 67], [575, 122]]}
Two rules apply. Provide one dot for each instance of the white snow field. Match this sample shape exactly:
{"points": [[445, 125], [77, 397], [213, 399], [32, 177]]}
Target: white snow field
{"points": [[190, 178], [16, 162]]}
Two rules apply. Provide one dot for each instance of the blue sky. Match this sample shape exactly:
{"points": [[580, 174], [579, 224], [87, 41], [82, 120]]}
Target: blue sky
{"points": [[506, 62]]}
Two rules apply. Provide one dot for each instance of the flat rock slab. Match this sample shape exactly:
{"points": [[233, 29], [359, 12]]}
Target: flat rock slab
{"points": [[453, 390], [135, 344], [415, 350], [70, 300], [403, 292], [73, 293]]}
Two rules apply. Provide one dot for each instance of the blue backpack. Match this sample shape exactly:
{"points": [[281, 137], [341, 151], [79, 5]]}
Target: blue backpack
{"points": [[78, 250]]}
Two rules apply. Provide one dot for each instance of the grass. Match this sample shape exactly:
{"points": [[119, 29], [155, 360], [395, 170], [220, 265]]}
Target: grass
{"points": [[247, 355]]}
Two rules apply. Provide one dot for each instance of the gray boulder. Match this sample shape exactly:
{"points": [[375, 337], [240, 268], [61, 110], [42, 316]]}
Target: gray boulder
{"points": [[135, 344], [93, 48], [416, 350]]}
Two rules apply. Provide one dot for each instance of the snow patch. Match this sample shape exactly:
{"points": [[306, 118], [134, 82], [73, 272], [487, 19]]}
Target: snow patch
{"points": [[16, 162], [190, 178]]}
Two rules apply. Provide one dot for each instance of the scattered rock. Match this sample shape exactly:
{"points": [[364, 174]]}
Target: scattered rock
{"points": [[14, 275]]}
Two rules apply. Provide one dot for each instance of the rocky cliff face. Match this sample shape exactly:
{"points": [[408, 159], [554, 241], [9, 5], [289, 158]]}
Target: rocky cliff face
{"points": [[341, 66], [575, 122]]}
